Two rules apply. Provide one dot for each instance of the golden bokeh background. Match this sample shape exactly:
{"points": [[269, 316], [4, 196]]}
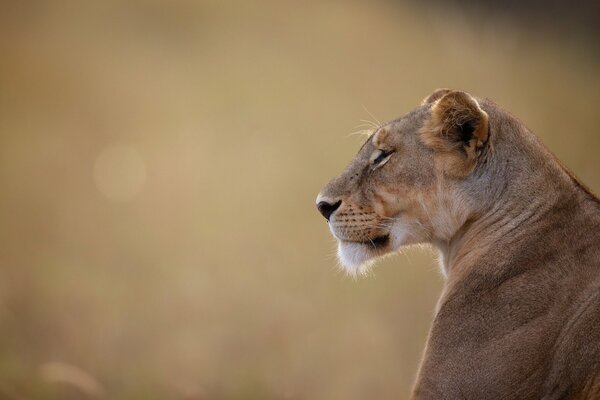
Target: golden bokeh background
{"points": [[159, 162]]}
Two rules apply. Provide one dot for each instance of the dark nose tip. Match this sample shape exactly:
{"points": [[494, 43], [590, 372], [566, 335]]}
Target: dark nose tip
{"points": [[327, 209]]}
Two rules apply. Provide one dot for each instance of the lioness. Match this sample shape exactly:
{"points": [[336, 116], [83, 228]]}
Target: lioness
{"points": [[519, 239]]}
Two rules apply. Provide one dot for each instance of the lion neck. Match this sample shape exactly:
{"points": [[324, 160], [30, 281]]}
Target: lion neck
{"points": [[516, 188]]}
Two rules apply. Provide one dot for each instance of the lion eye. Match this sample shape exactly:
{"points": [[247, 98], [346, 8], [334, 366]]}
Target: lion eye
{"points": [[380, 157]]}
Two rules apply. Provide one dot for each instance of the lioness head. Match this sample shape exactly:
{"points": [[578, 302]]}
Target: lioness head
{"points": [[411, 182]]}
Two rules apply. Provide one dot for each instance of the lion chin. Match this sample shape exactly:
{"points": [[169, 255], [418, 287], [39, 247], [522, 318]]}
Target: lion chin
{"points": [[358, 258], [355, 258]]}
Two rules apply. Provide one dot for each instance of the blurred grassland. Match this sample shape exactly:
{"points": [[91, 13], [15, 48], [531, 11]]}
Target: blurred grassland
{"points": [[159, 163]]}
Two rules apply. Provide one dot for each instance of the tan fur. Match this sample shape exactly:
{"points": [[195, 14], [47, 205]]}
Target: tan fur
{"points": [[519, 239]]}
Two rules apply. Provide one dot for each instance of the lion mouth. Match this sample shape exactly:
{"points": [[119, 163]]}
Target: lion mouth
{"points": [[378, 242], [375, 243], [357, 256]]}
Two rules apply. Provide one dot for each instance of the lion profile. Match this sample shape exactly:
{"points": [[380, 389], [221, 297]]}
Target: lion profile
{"points": [[519, 240]]}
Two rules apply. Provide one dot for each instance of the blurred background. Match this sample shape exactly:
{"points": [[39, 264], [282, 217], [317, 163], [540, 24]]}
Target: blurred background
{"points": [[159, 162]]}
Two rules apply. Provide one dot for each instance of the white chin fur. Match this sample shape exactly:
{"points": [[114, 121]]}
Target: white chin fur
{"points": [[358, 258], [355, 258]]}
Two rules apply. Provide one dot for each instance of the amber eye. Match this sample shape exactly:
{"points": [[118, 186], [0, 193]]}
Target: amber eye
{"points": [[380, 157]]}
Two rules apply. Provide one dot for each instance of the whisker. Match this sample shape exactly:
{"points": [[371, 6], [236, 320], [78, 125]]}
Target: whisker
{"points": [[371, 123], [372, 116], [362, 132]]}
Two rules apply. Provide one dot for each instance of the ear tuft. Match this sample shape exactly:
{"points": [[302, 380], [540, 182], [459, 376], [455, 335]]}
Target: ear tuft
{"points": [[435, 95], [457, 129]]}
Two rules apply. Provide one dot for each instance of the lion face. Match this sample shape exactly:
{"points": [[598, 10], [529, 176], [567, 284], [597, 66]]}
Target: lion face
{"points": [[404, 185]]}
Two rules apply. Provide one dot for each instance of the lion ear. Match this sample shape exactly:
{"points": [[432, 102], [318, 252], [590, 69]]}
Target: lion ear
{"points": [[457, 129], [435, 95]]}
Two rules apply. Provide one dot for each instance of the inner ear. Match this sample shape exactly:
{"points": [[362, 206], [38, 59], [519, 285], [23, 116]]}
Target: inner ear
{"points": [[466, 130]]}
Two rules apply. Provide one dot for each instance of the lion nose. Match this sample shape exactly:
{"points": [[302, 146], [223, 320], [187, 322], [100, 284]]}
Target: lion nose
{"points": [[326, 209]]}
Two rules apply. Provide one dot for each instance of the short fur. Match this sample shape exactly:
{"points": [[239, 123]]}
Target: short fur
{"points": [[519, 238]]}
